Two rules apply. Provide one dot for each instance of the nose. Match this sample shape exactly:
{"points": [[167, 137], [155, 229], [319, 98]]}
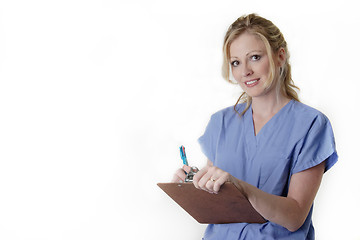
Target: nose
{"points": [[247, 71]]}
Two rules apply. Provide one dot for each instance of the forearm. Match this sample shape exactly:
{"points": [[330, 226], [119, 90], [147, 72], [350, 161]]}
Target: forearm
{"points": [[281, 210], [289, 212]]}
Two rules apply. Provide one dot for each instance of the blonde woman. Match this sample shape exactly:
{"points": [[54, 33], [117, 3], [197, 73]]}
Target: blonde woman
{"points": [[274, 148]]}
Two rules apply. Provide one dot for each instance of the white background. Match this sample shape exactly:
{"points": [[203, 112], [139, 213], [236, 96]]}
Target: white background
{"points": [[96, 97]]}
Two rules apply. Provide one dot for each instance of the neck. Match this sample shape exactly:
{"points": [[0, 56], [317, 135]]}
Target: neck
{"points": [[268, 105]]}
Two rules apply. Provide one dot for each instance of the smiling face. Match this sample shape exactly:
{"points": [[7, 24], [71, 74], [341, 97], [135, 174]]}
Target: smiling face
{"points": [[250, 64]]}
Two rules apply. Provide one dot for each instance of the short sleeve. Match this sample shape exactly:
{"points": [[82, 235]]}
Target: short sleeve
{"points": [[209, 140], [318, 145]]}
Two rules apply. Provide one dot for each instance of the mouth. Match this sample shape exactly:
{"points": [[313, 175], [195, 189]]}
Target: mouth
{"points": [[252, 82]]}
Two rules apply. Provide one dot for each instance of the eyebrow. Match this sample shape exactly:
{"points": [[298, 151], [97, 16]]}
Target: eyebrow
{"points": [[261, 51]]}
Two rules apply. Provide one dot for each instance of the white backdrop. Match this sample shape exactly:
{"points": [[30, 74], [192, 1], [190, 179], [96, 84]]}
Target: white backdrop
{"points": [[96, 97]]}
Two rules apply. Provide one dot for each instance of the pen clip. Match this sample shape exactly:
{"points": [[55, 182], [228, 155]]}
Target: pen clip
{"points": [[190, 175]]}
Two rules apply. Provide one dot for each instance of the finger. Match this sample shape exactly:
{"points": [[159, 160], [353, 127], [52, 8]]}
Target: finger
{"points": [[176, 179], [198, 176], [211, 171], [205, 177], [217, 185], [194, 169], [179, 176], [220, 181], [186, 168], [210, 185], [204, 180]]}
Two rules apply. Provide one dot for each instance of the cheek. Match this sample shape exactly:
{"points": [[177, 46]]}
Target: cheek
{"points": [[236, 73], [265, 67], [237, 76], [266, 70]]}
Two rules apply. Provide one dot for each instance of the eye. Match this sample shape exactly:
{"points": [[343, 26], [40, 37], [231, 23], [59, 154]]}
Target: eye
{"points": [[235, 63], [255, 57]]}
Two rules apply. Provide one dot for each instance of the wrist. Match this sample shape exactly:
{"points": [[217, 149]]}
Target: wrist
{"points": [[240, 185]]}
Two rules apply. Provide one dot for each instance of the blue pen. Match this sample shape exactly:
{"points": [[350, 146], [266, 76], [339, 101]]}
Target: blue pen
{"points": [[183, 156]]}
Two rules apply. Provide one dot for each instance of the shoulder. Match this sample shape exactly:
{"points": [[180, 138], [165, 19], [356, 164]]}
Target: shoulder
{"points": [[226, 117], [229, 112], [308, 118], [304, 113], [317, 142]]}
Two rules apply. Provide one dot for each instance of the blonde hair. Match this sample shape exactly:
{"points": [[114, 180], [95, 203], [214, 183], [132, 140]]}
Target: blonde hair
{"points": [[274, 41]]}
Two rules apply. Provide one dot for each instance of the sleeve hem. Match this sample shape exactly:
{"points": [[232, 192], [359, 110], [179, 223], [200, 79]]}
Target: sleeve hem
{"points": [[330, 159]]}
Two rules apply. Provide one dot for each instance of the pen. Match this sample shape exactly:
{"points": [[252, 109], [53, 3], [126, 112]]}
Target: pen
{"points": [[193, 170], [183, 156]]}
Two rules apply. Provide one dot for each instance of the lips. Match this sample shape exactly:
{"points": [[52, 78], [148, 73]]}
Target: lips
{"points": [[252, 82]]}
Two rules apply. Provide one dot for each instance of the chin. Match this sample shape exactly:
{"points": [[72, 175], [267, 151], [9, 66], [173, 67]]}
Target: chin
{"points": [[256, 94]]}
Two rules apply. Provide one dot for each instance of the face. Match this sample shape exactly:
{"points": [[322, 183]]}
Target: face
{"points": [[250, 64]]}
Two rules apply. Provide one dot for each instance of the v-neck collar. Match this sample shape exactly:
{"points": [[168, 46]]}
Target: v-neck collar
{"points": [[253, 141], [273, 118]]}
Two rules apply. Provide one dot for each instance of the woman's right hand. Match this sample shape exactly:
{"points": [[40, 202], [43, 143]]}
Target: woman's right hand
{"points": [[180, 174]]}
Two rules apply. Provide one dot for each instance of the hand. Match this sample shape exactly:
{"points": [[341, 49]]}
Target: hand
{"points": [[211, 178], [180, 175]]}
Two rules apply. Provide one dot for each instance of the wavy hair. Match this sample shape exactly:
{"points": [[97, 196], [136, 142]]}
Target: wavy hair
{"points": [[274, 41]]}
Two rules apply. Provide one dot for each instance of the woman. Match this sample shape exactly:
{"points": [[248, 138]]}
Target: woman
{"points": [[273, 148]]}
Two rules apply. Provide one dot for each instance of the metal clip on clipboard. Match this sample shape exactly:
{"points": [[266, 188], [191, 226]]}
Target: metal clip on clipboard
{"points": [[189, 175]]}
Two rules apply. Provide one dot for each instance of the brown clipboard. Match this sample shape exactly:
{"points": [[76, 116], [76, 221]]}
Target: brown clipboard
{"points": [[228, 206]]}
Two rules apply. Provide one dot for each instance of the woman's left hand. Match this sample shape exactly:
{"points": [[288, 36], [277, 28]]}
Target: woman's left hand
{"points": [[211, 178]]}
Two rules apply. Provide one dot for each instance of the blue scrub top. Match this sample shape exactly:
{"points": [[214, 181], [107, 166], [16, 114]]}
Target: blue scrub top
{"points": [[298, 137]]}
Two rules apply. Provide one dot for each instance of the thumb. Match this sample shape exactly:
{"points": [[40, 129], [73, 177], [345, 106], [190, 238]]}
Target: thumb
{"points": [[186, 168]]}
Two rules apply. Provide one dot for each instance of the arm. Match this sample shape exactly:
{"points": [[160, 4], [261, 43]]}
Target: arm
{"points": [[289, 212]]}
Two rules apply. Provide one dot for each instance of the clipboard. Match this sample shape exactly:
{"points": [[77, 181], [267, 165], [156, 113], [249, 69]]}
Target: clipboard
{"points": [[228, 206]]}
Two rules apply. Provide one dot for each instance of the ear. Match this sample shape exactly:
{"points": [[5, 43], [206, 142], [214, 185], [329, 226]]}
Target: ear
{"points": [[281, 57]]}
